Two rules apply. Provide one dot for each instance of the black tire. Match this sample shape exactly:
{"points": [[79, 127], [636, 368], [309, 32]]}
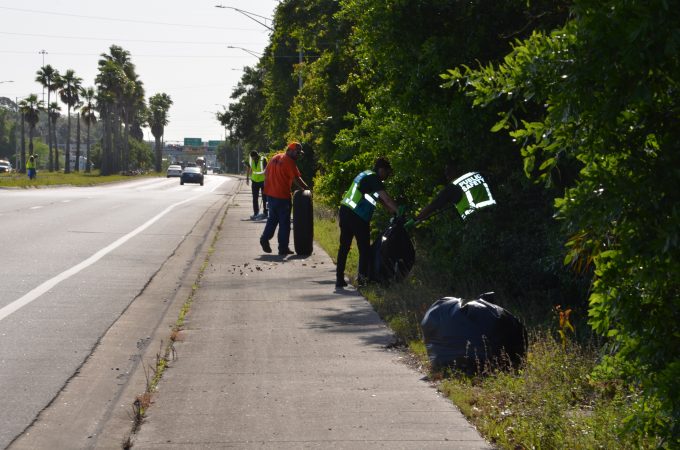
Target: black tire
{"points": [[303, 222], [181, 182]]}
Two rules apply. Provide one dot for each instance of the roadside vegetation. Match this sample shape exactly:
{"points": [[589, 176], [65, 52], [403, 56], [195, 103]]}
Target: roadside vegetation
{"points": [[15, 180]]}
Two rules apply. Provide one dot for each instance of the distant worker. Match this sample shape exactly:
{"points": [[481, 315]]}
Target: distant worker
{"points": [[279, 176], [255, 173], [30, 167], [356, 211]]}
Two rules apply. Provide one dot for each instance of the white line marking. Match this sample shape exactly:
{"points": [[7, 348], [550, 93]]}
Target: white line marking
{"points": [[35, 207], [49, 284]]}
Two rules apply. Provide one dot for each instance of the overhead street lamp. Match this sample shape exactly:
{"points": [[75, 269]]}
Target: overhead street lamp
{"points": [[251, 52], [7, 81], [250, 15]]}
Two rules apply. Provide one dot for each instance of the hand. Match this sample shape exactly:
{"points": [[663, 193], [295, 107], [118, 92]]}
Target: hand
{"points": [[410, 224], [401, 210]]}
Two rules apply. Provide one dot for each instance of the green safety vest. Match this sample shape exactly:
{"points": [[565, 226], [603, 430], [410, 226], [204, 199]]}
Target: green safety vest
{"points": [[30, 164], [257, 170], [476, 194], [362, 204]]}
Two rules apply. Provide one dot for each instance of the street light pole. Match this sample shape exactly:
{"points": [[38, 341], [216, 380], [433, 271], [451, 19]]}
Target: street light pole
{"points": [[249, 15], [43, 53]]}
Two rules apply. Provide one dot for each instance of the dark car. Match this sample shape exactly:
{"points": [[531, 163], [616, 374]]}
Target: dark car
{"points": [[191, 175]]}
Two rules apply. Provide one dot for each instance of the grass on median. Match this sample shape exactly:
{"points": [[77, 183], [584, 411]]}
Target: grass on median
{"points": [[552, 401], [18, 180]]}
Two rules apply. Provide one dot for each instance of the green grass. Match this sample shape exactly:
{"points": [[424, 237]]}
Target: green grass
{"points": [[18, 180], [551, 402]]}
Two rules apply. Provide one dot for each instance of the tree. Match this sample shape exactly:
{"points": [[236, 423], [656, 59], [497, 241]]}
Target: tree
{"points": [[47, 76], [601, 95], [54, 115], [159, 105], [69, 89], [89, 116], [30, 108]]}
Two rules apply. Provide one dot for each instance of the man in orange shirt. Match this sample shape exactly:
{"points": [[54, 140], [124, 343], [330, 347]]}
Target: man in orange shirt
{"points": [[280, 174]]}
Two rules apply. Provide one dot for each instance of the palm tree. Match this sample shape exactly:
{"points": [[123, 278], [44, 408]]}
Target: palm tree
{"points": [[47, 77], [69, 89], [30, 108], [159, 105], [108, 80], [54, 114], [89, 117]]}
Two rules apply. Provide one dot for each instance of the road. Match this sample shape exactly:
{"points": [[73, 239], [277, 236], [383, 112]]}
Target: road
{"points": [[73, 259]]}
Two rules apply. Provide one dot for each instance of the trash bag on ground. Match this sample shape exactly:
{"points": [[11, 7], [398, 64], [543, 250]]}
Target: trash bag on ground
{"points": [[392, 255], [471, 335]]}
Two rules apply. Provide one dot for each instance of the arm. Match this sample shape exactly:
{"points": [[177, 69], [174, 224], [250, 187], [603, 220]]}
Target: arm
{"points": [[299, 182], [386, 200]]}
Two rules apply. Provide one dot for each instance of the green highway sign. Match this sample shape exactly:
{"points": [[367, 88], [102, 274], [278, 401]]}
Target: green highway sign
{"points": [[214, 143], [193, 142]]}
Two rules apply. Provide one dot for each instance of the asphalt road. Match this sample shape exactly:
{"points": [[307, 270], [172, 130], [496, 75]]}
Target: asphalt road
{"points": [[73, 259]]}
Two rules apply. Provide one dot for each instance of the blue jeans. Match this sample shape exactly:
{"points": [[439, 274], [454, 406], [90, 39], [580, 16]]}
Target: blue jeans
{"points": [[279, 214]]}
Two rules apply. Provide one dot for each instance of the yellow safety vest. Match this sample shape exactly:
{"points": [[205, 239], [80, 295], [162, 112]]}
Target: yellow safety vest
{"points": [[257, 169], [362, 204]]}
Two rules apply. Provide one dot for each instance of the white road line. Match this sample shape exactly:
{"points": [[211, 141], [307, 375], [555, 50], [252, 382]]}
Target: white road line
{"points": [[49, 284]]}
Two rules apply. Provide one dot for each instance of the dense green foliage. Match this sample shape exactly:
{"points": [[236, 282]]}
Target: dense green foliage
{"points": [[581, 95], [610, 108]]}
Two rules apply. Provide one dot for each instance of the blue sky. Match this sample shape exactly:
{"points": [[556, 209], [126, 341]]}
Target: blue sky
{"points": [[178, 47]]}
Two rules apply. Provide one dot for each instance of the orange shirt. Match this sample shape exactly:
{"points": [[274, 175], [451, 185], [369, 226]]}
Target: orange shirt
{"points": [[279, 176]]}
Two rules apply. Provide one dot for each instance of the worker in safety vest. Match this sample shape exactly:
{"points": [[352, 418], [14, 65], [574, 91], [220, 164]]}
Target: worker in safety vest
{"points": [[466, 193], [255, 172], [30, 167], [356, 210]]}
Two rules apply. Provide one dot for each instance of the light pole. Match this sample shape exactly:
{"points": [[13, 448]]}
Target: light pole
{"points": [[250, 15], [251, 52], [43, 52]]}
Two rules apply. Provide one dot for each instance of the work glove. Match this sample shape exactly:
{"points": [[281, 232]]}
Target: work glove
{"points": [[410, 224], [401, 210]]}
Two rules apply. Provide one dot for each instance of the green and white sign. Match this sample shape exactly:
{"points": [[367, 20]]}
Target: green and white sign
{"points": [[193, 142], [476, 194]]}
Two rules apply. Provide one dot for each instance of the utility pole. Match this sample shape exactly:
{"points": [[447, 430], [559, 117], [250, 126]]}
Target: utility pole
{"points": [[43, 53]]}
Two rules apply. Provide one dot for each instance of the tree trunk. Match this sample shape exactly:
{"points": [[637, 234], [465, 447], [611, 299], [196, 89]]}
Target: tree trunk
{"points": [[77, 167], [56, 146], [88, 165], [22, 169], [67, 155], [158, 153], [50, 162]]}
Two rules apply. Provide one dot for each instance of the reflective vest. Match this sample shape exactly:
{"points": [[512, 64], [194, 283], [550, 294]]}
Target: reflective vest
{"points": [[476, 194], [257, 169], [362, 204], [30, 164]]}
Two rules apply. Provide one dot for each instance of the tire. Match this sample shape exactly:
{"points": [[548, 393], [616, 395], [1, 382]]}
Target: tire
{"points": [[303, 222], [181, 182]]}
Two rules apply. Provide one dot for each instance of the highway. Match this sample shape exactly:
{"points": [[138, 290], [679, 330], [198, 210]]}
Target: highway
{"points": [[73, 259]]}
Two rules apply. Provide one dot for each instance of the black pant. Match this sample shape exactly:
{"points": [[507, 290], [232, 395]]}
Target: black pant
{"points": [[256, 187], [353, 226]]}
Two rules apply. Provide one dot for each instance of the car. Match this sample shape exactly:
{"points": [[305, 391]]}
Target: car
{"points": [[174, 170], [191, 175], [5, 166]]}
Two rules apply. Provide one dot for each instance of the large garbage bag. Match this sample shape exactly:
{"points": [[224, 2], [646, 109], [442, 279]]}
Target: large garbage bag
{"points": [[392, 255], [472, 335]]}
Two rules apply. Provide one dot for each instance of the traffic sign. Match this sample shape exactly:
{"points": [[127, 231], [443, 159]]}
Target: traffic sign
{"points": [[193, 142]]}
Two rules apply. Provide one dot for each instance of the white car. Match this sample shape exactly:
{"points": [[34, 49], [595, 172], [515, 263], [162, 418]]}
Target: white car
{"points": [[174, 171], [5, 166]]}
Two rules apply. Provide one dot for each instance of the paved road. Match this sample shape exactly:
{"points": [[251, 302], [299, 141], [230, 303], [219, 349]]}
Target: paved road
{"points": [[73, 260]]}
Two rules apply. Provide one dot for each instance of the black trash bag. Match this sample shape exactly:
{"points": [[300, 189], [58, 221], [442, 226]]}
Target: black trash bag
{"points": [[392, 255], [469, 335]]}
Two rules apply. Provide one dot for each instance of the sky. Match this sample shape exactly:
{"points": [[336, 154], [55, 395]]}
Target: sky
{"points": [[180, 48]]}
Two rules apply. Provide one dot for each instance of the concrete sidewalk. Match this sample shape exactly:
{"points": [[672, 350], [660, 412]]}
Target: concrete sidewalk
{"points": [[273, 357]]}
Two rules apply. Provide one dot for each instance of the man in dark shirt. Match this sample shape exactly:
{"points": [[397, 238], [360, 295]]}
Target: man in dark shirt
{"points": [[356, 210]]}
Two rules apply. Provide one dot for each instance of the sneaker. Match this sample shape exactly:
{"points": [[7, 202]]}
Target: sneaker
{"points": [[253, 217], [340, 284], [265, 246], [286, 251], [260, 216]]}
